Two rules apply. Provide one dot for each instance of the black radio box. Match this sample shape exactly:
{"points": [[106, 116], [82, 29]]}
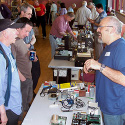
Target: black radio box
{"points": [[79, 62]]}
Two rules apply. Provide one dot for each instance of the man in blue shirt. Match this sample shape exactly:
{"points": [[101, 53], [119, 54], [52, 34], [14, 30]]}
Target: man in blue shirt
{"points": [[110, 72], [98, 43], [71, 8], [11, 110]]}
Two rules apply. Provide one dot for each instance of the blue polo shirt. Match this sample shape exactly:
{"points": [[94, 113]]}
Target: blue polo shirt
{"points": [[70, 9], [15, 101], [110, 95], [99, 18], [28, 39]]}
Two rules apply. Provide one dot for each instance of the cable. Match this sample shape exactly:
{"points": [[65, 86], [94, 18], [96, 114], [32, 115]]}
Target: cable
{"points": [[42, 94], [68, 102], [79, 103]]}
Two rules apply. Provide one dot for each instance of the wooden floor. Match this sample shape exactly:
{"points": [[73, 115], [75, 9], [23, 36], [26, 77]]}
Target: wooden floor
{"points": [[43, 51]]}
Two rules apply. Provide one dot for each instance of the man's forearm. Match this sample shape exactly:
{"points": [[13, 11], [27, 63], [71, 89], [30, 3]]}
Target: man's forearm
{"points": [[96, 24], [62, 33], [2, 109], [4, 118], [114, 75], [33, 40]]}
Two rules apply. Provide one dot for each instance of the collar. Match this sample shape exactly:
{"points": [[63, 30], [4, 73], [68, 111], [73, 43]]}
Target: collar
{"points": [[114, 43], [6, 49]]}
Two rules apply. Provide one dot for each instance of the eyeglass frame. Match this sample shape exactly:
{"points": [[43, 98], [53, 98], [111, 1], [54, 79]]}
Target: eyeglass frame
{"points": [[104, 26], [29, 14]]}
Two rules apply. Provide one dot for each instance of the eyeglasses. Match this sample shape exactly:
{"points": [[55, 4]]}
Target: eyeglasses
{"points": [[29, 14], [104, 26]]}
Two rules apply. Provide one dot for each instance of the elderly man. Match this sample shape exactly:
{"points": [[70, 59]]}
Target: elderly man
{"points": [[59, 28], [110, 72], [21, 53], [53, 11], [10, 94], [71, 8], [82, 15], [95, 14]]}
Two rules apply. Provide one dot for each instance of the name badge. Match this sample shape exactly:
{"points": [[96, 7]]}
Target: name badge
{"points": [[107, 54]]}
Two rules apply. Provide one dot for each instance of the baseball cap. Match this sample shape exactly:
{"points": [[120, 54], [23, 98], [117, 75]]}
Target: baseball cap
{"points": [[7, 23]]}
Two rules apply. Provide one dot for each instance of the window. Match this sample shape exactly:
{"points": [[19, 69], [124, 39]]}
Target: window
{"points": [[117, 5]]}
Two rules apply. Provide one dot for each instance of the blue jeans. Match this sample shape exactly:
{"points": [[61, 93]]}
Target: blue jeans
{"points": [[114, 119], [53, 44]]}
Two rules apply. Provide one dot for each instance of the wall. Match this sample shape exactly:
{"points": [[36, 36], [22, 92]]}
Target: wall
{"points": [[109, 3], [121, 17], [67, 2], [103, 2]]}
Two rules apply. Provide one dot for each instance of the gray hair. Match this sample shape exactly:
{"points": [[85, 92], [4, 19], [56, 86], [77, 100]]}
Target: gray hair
{"points": [[74, 5], [115, 22], [84, 3], [90, 3], [71, 14], [24, 7]]}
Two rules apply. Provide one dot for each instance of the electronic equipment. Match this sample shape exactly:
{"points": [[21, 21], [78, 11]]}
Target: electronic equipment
{"points": [[63, 75], [42, 94], [63, 55], [79, 61], [58, 120], [52, 90], [81, 118], [81, 50], [32, 55], [47, 90], [53, 96], [93, 108], [67, 42], [88, 42], [93, 119], [74, 74], [70, 103]]}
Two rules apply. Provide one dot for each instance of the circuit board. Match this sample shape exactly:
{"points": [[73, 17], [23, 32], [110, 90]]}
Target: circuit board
{"points": [[81, 118]]}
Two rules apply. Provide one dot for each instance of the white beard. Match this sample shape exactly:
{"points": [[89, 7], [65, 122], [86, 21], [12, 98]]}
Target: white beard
{"points": [[100, 40]]}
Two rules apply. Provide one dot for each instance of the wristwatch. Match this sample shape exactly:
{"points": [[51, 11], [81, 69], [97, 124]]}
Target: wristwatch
{"points": [[102, 67]]}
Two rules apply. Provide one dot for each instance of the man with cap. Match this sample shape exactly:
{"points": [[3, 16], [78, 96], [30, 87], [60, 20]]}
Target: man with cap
{"points": [[10, 93]]}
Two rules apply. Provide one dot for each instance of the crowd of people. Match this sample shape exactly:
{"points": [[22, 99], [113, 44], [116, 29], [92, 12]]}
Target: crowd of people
{"points": [[19, 75]]}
